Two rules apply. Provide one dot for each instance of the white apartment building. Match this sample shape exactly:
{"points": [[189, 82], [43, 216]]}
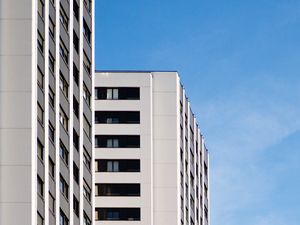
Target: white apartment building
{"points": [[46, 80], [151, 161]]}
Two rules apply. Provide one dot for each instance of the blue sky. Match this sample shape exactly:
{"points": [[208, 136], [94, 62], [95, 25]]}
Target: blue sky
{"points": [[240, 63]]}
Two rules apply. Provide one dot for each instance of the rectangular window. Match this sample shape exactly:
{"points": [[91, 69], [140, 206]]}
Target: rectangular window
{"points": [[51, 63], [40, 186], [40, 42], [86, 31], [51, 168], [64, 86], [64, 18], [76, 10], [86, 63], [51, 203], [86, 191], [86, 95], [40, 78], [40, 150], [51, 132], [75, 140], [86, 127], [40, 114], [51, 98], [118, 189], [63, 152], [120, 165], [87, 159], [117, 141], [117, 93], [75, 107], [64, 120], [121, 214], [86, 220], [76, 206], [75, 173], [63, 51], [64, 187], [75, 74], [117, 117], [51, 28], [75, 42], [63, 219]]}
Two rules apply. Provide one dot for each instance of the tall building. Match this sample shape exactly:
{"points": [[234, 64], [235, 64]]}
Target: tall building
{"points": [[46, 79], [151, 163]]}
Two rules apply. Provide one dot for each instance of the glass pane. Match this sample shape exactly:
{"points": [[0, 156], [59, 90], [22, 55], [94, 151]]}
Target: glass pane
{"points": [[116, 143], [109, 166], [109, 94], [116, 94], [109, 143], [116, 166]]}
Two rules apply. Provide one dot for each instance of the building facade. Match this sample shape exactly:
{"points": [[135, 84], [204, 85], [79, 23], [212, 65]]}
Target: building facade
{"points": [[46, 80], [151, 163]]}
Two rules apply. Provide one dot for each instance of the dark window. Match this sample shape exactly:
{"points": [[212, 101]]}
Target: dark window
{"points": [[64, 187], [76, 140], [51, 63], [51, 98], [76, 10], [86, 95], [117, 93], [118, 214], [51, 203], [40, 186], [86, 159], [63, 152], [87, 63], [86, 31], [64, 18], [75, 173], [117, 141], [63, 219], [118, 189], [122, 165], [75, 107], [63, 51], [86, 219], [51, 28], [75, 42], [76, 206], [40, 42], [51, 167], [75, 74], [87, 191], [132, 117], [40, 78], [40, 150], [51, 132], [88, 5]]}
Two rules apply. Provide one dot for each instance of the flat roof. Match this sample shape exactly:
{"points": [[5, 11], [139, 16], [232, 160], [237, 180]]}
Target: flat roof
{"points": [[136, 71]]}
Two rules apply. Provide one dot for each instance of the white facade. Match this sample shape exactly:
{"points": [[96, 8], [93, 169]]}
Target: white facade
{"points": [[151, 161]]}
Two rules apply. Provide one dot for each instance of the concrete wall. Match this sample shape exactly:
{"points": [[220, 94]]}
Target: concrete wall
{"points": [[15, 111]]}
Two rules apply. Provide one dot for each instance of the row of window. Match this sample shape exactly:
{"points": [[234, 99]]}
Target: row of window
{"points": [[117, 117], [117, 141], [118, 190], [120, 93], [121, 214]]}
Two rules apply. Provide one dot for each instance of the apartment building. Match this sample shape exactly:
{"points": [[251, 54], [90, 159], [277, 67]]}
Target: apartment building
{"points": [[151, 163], [46, 80]]}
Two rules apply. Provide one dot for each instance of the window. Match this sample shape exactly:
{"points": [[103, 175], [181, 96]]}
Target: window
{"points": [[86, 127], [75, 206], [88, 5], [76, 140], [86, 63], [51, 168], [75, 107], [40, 42], [121, 165], [64, 18], [86, 191], [75, 74], [75, 42], [205, 169], [131, 214], [51, 28], [63, 119], [63, 220], [76, 10], [75, 173], [205, 191], [205, 213], [40, 150], [86, 31], [64, 187], [40, 220], [41, 7], [63, 85], [40, 186], [51, 98], [87, 159], [120, 93], [86, 95], [51, 63], [40, 78], [86, 220], [117, 117], [117, 141], [118, 190], [51, 203], [63, 51], [63, 152], [51, 132], [40, 114]]}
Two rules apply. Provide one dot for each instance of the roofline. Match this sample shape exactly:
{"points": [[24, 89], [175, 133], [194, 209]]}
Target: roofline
{"points": [[136, 71]]}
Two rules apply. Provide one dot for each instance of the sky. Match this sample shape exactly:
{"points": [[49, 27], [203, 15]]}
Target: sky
{"points": [[240, 64]]}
